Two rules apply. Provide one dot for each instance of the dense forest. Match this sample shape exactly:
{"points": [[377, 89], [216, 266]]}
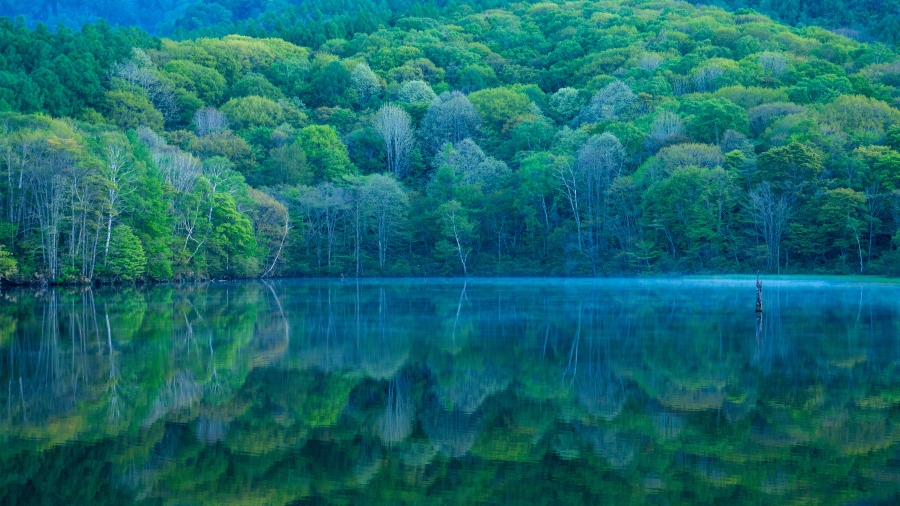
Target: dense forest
{"points": [[859, 19], [289, 19], [580, 138]]}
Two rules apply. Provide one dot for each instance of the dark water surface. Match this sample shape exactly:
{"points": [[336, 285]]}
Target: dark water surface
{"points": [[448, 392]]}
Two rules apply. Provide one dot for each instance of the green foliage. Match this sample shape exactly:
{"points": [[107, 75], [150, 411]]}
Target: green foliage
{"points": [[129, 110], [232, 243], [256, 86], [207, 83], [690, 208], [821, 89], [253, 111], [329, 85], [326, 153], [127, 261], [581, 139], [8, 265], [287, 165], [499, 106], [793, 166], [710, 118]]}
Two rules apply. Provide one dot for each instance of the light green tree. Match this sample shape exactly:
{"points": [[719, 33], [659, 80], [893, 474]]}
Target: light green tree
{"points": [[326, 153], [127, 261]]}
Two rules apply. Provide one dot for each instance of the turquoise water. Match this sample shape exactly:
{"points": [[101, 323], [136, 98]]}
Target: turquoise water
{"points": [[452, 392]]}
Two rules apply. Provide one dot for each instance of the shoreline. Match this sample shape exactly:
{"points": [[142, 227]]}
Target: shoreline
{"points": [[843, 279]]}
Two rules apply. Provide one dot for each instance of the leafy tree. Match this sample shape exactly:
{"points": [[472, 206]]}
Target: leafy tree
{"points": [[232, 244], [611, 102], [821, 89], [330, 84], [416, 93], [127, 261], [709, 119], [8, 265], [366, 84], [565, 104], [255, 86], [131, 110], [252, 111], [287, 165], [791, 114], [326, 153], [207, 83], [690, 209], [387, 203], [499, 106], [792, 167], [450, 118]]}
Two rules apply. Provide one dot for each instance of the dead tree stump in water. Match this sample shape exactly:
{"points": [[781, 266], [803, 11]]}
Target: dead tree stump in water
{"points": [[758, 294]]}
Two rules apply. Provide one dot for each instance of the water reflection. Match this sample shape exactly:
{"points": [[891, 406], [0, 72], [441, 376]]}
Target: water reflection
{"points": [[480, 391]]}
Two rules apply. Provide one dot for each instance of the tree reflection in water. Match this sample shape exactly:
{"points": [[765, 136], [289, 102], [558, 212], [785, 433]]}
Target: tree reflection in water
{"points": [[440, 391]]}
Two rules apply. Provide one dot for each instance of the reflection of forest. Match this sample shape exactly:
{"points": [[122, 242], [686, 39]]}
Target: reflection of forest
{"points": [[584, 392]]}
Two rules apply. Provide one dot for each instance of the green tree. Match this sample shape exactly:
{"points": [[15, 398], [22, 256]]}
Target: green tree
{"points": [[287, 165], [255, 86], [8, 265], [329, 85], [248, 112], [232, 244], [365, 83], [500, 105], [791, 168], [131, 110], [710, 118], [326, 153], [127, 261], [690, 209], [207, 83]]}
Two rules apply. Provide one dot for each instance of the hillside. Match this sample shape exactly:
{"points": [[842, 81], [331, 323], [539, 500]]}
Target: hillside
{"points": [[581, 138], [868, 19], [863, 20]]}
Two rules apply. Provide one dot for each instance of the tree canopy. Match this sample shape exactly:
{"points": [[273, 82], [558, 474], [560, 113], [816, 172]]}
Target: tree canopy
{"points": [[587, 138]]}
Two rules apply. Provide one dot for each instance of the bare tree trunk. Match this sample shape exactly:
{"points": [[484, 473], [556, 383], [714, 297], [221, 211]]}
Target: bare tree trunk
{"points": [[287, 226], [108, 238], [859, 248], [452, 221], [570, 189]]}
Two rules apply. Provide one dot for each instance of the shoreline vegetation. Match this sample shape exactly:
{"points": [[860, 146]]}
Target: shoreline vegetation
{"points": [[770, 281], [580, 139]]}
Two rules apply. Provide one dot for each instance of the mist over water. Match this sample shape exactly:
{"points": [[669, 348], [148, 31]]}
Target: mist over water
{"points": [[525, 391]]}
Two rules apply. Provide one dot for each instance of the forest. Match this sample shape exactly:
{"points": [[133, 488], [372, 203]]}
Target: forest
{"points": [[293, 19], [583, 138]]}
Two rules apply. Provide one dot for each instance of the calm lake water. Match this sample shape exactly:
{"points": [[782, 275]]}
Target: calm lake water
{"points": [[517, 392]]}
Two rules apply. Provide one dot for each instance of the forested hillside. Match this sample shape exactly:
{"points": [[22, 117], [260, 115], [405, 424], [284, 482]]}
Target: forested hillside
{"points": [[584, 138], [292, 19], [862, 19]]}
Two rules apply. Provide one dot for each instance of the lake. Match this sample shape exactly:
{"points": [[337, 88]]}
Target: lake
{"points": [[517, 392]]}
